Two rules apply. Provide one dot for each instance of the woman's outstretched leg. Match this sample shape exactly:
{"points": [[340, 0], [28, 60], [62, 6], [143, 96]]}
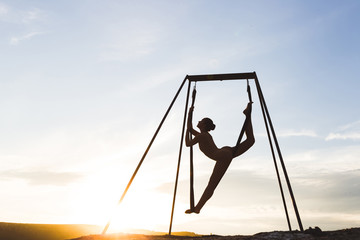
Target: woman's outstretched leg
{"points": [[219, 170], [250, 139]]}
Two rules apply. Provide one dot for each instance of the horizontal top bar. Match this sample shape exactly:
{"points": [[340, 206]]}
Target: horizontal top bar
{"points": [[221, 77]]}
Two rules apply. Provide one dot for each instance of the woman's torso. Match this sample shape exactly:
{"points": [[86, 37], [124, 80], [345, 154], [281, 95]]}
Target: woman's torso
{"points": [[209, 148]]}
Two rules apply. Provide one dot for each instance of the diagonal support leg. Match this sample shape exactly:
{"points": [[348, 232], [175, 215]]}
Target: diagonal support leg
{"points": [[267, 118]]}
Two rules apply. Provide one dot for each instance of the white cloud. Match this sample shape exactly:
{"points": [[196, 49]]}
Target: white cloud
{"points": [[42, 177], [20, 16], [257, 197], [297, 133], [325, 160], [3, 10], [130, 46], [350, 131], [28, 36], [31, 15], [343, 136], [26, 19]]}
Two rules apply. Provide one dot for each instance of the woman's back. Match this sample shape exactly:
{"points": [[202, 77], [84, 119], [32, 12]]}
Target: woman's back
{"points": [[207, 145]]}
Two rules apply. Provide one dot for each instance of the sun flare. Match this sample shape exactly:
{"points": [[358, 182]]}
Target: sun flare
{"points": [[143, 210]]}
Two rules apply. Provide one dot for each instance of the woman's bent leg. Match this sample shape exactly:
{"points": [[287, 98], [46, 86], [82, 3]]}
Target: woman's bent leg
{"points": [[250, 139]]}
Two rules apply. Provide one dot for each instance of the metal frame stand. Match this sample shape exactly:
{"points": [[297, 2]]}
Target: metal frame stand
{"points": [[269, 129]]}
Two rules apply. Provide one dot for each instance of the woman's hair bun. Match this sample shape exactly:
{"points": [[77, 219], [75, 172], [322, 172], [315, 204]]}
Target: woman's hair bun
{"points": [[209, 124]]}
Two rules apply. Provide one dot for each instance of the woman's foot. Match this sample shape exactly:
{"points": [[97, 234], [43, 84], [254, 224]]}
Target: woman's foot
{"points": [[248, 109], [192, 211], [188, 211]]}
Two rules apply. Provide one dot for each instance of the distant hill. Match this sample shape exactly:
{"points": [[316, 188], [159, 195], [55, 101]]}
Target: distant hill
{"points": [[154, 233], [29, 231], [309, 234], [26, 231]]}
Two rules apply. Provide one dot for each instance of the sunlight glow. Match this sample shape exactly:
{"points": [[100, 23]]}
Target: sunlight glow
{"points": [[84, 86], [142, 210]]}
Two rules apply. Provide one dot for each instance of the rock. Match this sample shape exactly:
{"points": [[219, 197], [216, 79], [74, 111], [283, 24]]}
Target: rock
{"points": [[314, 231]]}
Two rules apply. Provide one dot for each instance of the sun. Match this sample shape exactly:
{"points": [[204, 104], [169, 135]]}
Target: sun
{"points": [[147, 204], [143, 207], [143, 210]]}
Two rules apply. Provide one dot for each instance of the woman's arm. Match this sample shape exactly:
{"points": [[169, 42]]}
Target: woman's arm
{"points": [[190, 142], [189, 122], [190, 130]]}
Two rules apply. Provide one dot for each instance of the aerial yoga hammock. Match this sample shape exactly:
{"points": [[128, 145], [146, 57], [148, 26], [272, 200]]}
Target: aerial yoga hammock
{"points": [[223, 156]]}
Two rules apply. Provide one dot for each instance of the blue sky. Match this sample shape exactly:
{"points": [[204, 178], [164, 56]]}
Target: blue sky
{"points": [[84, 85]]}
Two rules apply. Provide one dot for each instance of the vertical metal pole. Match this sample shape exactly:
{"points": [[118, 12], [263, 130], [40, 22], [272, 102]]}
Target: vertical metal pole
{"points": [[273, 154], [179, 158], [281, 159], [146, 151], [192, 197]]}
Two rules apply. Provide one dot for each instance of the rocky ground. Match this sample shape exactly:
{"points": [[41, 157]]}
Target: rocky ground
{"points": [[309, 234]]}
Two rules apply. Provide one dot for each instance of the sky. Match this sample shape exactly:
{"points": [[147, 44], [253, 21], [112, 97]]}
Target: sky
{"points": [[84, 85]]}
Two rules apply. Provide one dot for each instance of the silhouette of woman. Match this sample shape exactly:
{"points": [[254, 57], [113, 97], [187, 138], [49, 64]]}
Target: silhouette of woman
{"points": [[222, 156]]}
